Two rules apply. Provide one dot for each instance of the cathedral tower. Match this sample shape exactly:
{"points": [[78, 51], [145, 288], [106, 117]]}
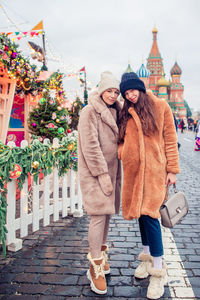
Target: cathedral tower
{"points": [[176, 91], [154, 64]]}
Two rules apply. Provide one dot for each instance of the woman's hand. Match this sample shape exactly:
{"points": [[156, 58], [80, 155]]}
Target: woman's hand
{"points": [[171, 179], [105, 184]]}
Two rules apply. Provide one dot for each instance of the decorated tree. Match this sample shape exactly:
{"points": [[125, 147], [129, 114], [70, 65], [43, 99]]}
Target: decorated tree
{"points": [[74, 112], [189, 113], [49, 119]]}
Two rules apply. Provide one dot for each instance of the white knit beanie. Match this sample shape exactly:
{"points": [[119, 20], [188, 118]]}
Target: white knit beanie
{"points": [[108, 81]]}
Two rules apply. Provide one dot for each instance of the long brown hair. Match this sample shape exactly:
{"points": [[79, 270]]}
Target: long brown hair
{"points": [[145, 109]]}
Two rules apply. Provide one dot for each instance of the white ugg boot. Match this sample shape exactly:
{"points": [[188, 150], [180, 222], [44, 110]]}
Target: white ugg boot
{"points": [[157, 282], [142, 271]]}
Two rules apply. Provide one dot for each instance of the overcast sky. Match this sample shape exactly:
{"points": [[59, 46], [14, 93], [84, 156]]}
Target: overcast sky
{"points": [[106, 34]]}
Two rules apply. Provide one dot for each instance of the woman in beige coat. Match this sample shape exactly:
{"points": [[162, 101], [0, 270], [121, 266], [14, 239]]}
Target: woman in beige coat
{"points": [[100, 172]]}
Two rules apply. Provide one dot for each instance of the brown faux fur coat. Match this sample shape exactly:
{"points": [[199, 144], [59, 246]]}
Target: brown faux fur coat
{"points": [[97, 154], [146, 162]]}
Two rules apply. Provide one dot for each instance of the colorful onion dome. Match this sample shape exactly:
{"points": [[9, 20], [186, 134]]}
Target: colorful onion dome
{"points": [[176, 70], [143, 72], [129, 69], [163, 82]]}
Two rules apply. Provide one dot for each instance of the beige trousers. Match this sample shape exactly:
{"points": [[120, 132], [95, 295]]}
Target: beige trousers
{"points": [[97, 234]]}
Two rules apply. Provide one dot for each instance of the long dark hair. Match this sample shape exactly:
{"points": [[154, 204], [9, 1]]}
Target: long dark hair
{"points": [[145, 109]]}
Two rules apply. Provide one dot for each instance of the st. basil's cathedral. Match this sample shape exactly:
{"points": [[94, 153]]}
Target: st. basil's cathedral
{"points": [[154, 78]]}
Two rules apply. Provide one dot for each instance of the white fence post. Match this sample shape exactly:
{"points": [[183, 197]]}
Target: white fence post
{"points": [[55, 186], [46, 211], [64, 196], [24, 203], [36, 206], [24, 209], [72, 192], [13, 243], [46, 208]]}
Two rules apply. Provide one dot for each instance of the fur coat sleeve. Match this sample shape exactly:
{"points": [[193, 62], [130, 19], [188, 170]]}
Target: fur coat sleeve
{"points": [[170, 140], [90, 144]]}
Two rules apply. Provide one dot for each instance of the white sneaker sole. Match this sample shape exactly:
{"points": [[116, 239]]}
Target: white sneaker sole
{"points": [[92, 286]]}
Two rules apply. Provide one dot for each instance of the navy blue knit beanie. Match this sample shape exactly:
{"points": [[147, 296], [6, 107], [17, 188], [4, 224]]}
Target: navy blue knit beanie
{"points": [[130, 81]]}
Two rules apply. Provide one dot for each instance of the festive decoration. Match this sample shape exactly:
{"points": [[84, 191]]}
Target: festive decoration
{"points": [[74, 156], [61, 130], [35, 164], [28, 79], [70, 147], [51, 126], [47, 118], [45, 155], [54, 116], [42, 100], [16, 172], [52, 101]]}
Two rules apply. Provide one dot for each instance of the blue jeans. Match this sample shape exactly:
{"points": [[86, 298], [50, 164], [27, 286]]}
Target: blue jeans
{"points": [[151, 235]]}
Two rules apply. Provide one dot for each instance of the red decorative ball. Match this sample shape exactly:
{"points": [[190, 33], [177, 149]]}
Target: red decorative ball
{"points": [[16, 173], [6, 48], [69, 130]]}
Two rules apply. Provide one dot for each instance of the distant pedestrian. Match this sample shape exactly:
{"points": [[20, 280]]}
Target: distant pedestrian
{"points": [[182, 125], [197, 138], [195, 125], [176, 126], [148, 150], [100, 172], [175, 122]]}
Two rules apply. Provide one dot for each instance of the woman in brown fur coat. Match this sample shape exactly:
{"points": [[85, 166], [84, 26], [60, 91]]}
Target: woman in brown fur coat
{"points": [[100, 172], [148, 150]]}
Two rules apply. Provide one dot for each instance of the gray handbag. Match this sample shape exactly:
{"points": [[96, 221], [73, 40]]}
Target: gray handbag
{"points": [[174, 208]]}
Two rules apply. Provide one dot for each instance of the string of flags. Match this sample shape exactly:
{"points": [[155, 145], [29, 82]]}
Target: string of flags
{"points": [[18, 35], [35, 31]]}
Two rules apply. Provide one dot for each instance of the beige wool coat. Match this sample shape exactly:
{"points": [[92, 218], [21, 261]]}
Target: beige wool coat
{"points": [[97, 154], [146, 162]]}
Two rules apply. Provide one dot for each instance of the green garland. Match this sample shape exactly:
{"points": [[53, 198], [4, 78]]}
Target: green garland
{"points": [[34, 159]]}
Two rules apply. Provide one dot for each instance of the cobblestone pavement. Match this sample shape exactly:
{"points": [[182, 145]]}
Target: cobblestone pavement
{"points": [[53, 264]]}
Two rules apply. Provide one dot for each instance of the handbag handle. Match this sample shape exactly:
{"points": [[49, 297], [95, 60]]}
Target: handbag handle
{"points": [[167, 192], [175, 189]]}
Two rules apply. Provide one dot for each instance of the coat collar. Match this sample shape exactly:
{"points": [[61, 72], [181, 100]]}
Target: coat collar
{"points": [[101, 108]]}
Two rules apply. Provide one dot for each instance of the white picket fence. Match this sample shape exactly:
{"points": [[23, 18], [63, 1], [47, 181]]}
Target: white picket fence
{"points": [[53, 196]]}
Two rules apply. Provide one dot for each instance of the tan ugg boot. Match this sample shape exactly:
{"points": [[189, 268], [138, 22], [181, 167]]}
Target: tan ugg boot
{"points": [[96, 275], [104, 249], [157, 281], [142, 271]]}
